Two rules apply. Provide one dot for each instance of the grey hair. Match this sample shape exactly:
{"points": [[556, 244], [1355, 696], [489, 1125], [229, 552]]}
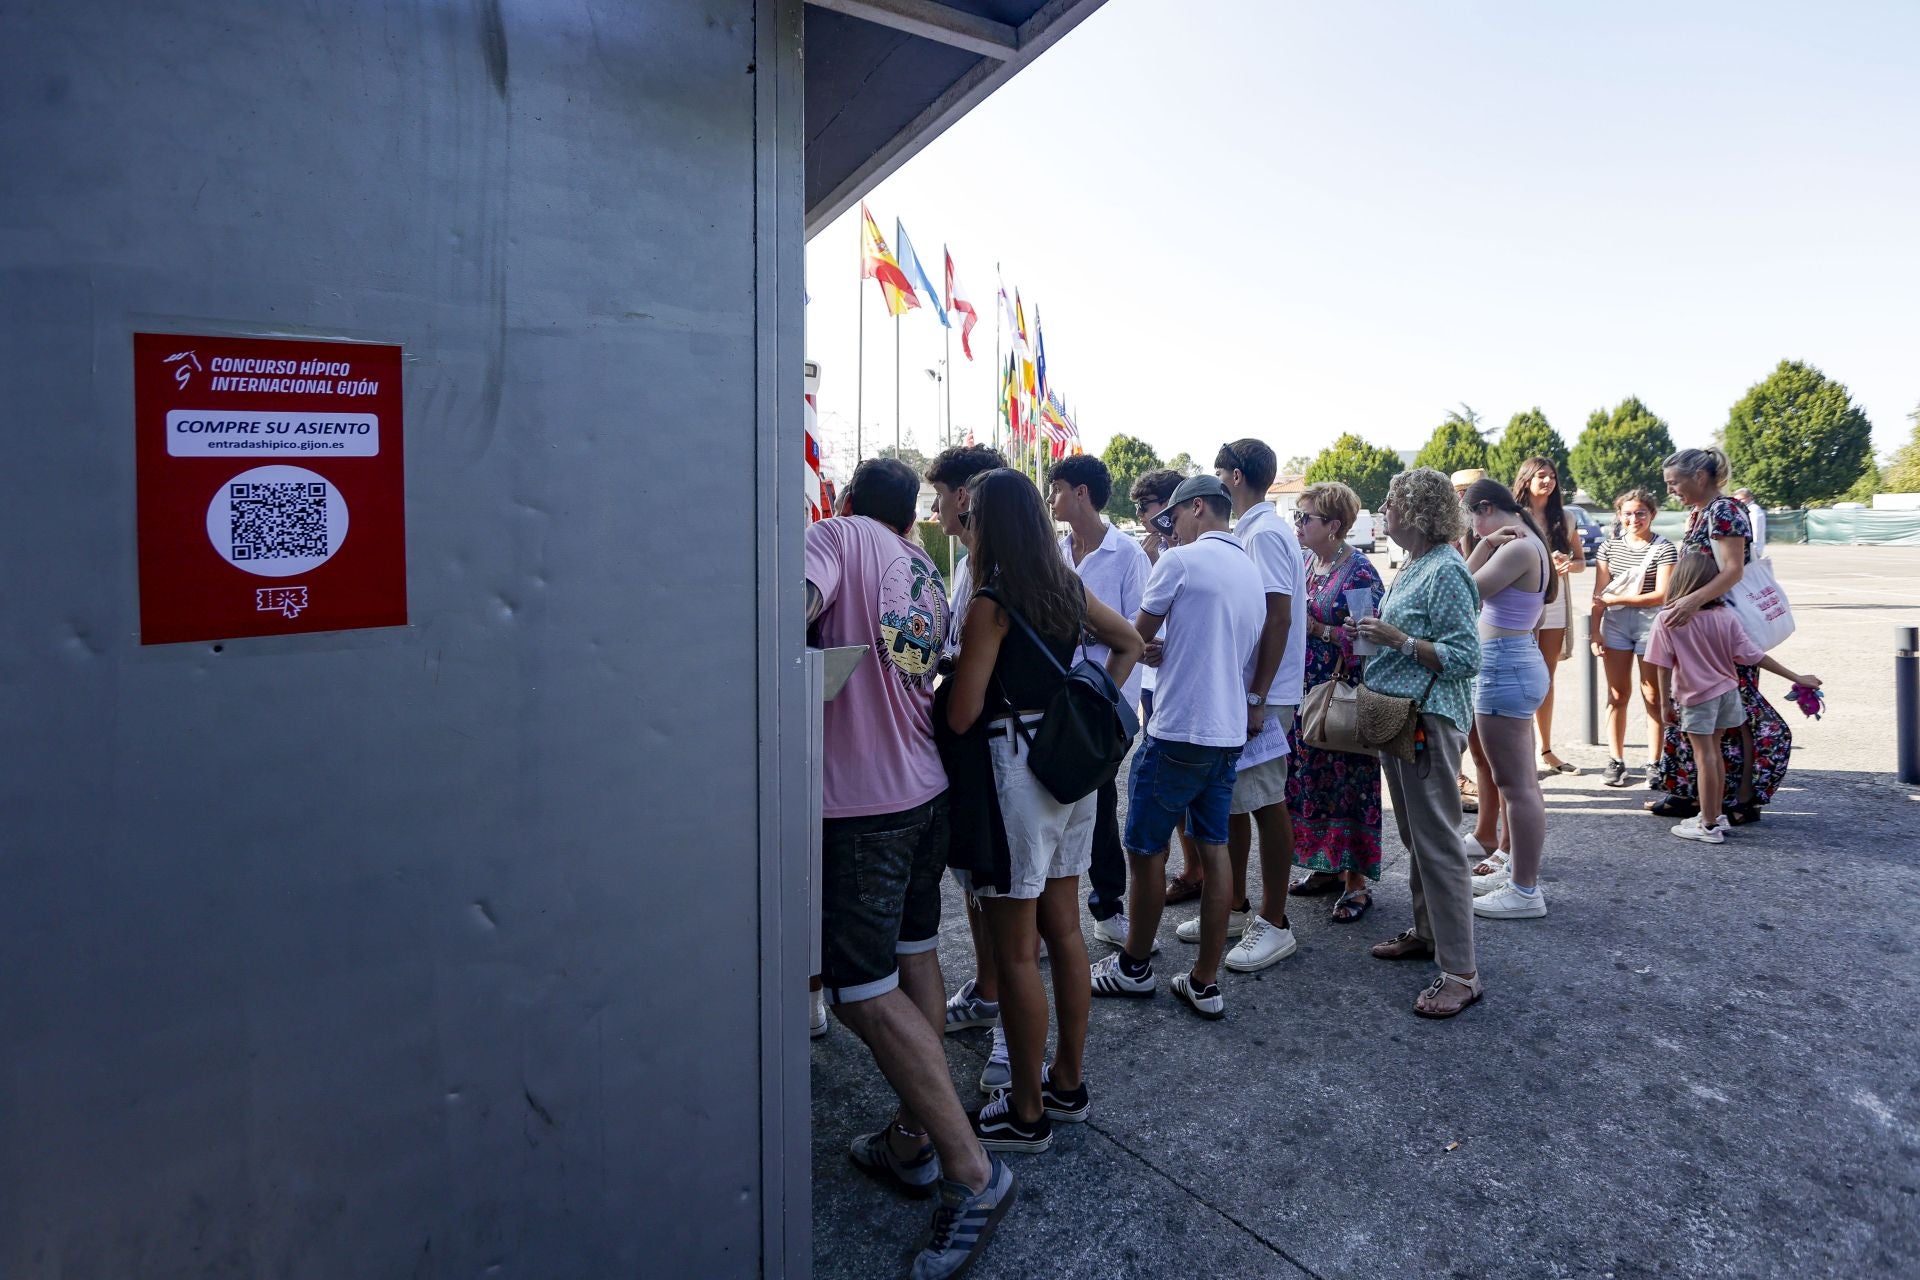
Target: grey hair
{"points": [[1425, 499], [1694, 461]]}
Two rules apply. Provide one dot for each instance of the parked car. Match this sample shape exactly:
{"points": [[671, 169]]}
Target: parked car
{"points": [[1363, 535], [1591, 536]]}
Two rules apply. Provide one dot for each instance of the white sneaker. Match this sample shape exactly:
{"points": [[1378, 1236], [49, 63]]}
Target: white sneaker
{"points": [[1189, 930], [1691, 829], [1113, 932], [1499, 878], [1264, 943], [1508, 903], [1207, 1003], [817, 1014]]}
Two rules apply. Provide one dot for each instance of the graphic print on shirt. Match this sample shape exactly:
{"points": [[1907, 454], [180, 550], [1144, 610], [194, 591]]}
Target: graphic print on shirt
{"points": [[913, 619]]}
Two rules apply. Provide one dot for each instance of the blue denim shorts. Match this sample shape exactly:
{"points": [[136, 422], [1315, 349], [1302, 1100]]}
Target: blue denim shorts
{"points": [[1174, 778], [1513, 677], [1624, 627]]}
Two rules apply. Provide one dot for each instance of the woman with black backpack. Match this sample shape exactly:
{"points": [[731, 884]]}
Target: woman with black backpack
{"points": [[1018, 633]]}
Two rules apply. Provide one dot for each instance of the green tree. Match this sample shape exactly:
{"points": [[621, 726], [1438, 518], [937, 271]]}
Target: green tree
{"points": [[1127, 460], [1455, 445], [1296, 465], [1903, 472], [1528, 435], [1362, 467], [1621, 450], [1796, 437], [907, 454], [1183, 463]]}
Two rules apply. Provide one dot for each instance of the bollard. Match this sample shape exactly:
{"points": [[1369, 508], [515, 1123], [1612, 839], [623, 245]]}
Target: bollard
{"points": [[1594, 678], [1906, 700]]}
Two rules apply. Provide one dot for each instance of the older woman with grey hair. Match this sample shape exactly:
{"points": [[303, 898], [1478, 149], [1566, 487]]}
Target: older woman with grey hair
{"points": [[1429, 650]]}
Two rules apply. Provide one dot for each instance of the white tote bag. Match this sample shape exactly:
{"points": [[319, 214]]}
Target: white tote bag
{"points": [[1761, 605]]}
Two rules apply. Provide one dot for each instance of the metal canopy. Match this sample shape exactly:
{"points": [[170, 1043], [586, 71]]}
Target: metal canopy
{"points": [[885, 77]]}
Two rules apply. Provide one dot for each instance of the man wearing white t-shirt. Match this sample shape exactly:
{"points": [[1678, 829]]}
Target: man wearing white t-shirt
{"points": [[1247, 468], [1114, 570], [1207, 593]]}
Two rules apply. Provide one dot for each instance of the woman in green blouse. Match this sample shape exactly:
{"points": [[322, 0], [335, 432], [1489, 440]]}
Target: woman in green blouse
{"points": [[1429, 650]]}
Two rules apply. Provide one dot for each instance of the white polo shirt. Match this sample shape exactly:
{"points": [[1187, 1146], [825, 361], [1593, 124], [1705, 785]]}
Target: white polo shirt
{"points": [[957, 606], [1115, 574], [1209, 592], [1276, 553]]}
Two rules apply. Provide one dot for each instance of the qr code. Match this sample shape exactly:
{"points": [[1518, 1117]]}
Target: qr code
{"points": [[278, 521]]}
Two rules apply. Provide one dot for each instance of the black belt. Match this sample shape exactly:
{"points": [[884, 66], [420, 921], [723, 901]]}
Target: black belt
{"points": [[1002, 727]]}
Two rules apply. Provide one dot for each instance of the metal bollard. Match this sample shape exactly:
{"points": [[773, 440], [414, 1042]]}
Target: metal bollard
{"points": [[1594, 678], [1906, 700]]}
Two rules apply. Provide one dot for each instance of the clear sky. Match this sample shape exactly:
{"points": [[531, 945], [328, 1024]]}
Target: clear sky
{"points": [[1293, 219]]}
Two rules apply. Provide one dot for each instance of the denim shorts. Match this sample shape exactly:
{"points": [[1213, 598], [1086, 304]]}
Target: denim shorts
{"points": [[1714, 715], [1174, 778], [1513, 677], [1624, 627], [879, 897]]}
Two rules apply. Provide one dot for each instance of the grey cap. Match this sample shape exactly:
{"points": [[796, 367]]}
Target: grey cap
{"points": [[1199, 487]]}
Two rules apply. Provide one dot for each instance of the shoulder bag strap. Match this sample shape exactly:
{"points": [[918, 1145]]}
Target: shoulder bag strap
{"points": [[1026, 629]]}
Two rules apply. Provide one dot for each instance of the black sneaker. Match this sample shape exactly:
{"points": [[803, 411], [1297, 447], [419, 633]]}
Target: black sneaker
{"points": [[999, 1129], [916, 1177], [1069, 1106], [1617, 775]]}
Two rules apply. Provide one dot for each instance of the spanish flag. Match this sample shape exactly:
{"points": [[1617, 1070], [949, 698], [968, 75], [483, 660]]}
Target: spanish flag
{"points": [[876, 263]]}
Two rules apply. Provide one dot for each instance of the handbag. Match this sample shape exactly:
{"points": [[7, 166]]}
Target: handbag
{"points": [[1761, 605], [1330, 718], [1389, 723], [1086, 728]]}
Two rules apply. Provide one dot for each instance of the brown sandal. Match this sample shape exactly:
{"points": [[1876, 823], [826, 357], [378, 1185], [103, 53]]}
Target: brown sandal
{"points": [[1403, 946], [1182, 889]]}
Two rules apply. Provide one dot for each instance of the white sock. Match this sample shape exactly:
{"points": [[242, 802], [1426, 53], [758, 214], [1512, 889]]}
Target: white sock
{"points": [[1529, 892]]}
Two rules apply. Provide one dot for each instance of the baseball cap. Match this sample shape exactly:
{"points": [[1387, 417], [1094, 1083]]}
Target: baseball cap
{"points": [[1189, 489]]}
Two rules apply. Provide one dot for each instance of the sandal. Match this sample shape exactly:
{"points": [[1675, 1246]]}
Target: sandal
{"points": [[1320, 882], [1469, 795], [1352, 905], [1403, 946], [1494, 861], [1672, 807], [1551, 763], [1182, 889], [1431, 1002], [1741, 814]]}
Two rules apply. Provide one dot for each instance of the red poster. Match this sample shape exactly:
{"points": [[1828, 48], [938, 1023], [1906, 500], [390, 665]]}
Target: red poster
{"points": [[272, 496]]}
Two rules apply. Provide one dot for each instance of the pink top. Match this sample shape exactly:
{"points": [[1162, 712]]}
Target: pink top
{"points": [[881, 591], [1702, 653]]}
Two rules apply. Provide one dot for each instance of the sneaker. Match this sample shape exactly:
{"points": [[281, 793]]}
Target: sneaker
{"points": [[1069, 1106], [1616, 774], [1189, 930], [1499, 878], [1205, 1002], [1508, 903], [999, 1129], [965, 1010], [963, 1222], [916, 1177], [998, 1073], [1109, 979], [1264, 943], [817, 1014], [1691, 829], [1113, 931]]}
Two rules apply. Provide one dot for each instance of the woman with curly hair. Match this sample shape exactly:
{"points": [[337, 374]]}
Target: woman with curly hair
{"points": [[1429, 651]]}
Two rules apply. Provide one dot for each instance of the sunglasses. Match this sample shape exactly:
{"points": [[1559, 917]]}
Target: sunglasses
{"points": [[1300, 519], [1239, 463]]}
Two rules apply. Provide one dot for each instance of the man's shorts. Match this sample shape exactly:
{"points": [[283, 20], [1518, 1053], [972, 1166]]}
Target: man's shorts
{"points": [[1174, 778], [1624, 627], [1258, 786], [879, 897], [1715, 714]]}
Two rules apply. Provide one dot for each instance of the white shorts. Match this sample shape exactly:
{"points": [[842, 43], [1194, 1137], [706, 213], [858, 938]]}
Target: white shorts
{"points": [[1260, 786], [1045, 839], [1554, 613]]}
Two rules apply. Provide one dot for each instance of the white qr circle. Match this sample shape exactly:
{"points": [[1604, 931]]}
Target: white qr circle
{"points": [[277, 521]]}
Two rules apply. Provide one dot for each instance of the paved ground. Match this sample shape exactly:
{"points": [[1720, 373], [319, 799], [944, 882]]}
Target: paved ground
{"points": [[1701, 1063]]}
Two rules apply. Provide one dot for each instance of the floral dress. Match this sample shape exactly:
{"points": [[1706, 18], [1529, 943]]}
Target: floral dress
{"points": [[1772, 738], [1333, 797]]}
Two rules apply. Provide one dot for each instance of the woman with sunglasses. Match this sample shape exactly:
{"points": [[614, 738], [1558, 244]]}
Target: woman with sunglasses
{"points": [[1630, 585], [1537, 488]]}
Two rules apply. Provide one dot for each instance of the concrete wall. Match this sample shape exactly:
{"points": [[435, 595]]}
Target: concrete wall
{"points": [[432, 951]]}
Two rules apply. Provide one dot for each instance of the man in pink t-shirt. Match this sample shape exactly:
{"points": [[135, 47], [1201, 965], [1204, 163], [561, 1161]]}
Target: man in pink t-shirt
{"points": [[884, 840]]}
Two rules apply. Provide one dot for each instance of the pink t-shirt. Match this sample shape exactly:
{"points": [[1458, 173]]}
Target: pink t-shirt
{"points": [[1702, 653], [879, 590]]}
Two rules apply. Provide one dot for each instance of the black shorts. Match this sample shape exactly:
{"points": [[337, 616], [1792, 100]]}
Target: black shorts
{"points": [[879, 896]]}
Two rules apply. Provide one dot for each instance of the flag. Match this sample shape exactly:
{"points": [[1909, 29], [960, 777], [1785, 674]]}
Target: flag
{"points": [[1040, 355], [1028, 385], [917, 274], [1006, 312], [957, 303], [878, 264]]}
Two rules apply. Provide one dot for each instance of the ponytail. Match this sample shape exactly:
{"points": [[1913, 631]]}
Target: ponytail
{"points": [[1709, 461]]}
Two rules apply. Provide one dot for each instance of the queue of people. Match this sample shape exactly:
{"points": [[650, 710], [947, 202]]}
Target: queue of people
{"points": [[1218, 621]]}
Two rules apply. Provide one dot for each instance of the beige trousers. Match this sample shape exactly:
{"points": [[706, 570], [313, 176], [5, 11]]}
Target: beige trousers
{"points": [[1440, 856]]}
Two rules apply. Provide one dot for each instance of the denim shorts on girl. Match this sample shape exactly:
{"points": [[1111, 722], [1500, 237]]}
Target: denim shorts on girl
{"points": [[1513, 677], [1624, 627]]}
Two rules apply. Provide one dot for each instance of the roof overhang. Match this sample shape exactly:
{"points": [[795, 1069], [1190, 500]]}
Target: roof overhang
{"points": [[886, 77]]}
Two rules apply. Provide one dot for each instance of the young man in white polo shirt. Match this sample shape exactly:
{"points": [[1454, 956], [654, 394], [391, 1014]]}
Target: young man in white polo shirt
{"points": [[1207, 592], [1247, 468], [1114, 570]]}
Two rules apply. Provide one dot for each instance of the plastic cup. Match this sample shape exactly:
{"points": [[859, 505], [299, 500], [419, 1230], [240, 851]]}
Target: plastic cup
{"points": [[1360, 605]]}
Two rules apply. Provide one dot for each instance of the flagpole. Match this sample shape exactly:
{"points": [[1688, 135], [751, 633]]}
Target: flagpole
{"points": [[896, 387], [949, 381], [999, 393], [860, 362]]}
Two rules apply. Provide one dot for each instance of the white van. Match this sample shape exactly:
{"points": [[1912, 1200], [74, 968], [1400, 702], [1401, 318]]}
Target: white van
{"points": [[1362, 537]]}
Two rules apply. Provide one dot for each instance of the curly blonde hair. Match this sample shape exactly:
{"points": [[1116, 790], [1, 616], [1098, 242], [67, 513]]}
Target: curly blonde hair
{"points": [[1333, 501], [1424, 499]]}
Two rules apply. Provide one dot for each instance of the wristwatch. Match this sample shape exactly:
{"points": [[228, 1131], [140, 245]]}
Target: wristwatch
{"points": [[1256, 700], [1409, 646]]}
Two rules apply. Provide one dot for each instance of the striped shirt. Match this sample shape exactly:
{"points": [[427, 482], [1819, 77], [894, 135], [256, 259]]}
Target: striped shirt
{"points": [[1633, 568]]}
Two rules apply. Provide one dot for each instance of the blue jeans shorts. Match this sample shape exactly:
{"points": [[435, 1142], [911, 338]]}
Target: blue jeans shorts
{"points": [[1169, 779], [1513, 677], [1624, 627]]}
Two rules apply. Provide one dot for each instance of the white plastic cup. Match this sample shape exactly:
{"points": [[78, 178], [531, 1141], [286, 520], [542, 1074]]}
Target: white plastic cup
{"points": [[1360, 605]]}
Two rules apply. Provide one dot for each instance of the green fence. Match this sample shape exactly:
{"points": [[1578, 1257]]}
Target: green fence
{"points": [[1820, 526]]}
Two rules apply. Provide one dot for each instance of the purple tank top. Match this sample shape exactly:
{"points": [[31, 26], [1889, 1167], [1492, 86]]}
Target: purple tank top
{"points": [[1512, 609]]}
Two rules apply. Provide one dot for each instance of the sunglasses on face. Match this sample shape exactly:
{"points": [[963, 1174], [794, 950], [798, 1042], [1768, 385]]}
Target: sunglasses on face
{"points": [[1301, 518]]}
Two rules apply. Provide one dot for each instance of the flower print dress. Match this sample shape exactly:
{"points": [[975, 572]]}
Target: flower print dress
{"points": [[1333, 797]]}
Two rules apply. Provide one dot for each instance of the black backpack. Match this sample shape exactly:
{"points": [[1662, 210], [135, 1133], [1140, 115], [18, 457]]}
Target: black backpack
{"points": [[1086, 728]]}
